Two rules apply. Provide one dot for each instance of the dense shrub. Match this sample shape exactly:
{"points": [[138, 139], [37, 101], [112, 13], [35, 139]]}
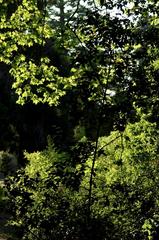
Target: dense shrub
{"points": [[40, 198], [125, 186], [125, 190]]}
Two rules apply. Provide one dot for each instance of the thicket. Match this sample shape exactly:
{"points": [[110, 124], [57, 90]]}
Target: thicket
{"points": [[85, 73], [125, 192]]}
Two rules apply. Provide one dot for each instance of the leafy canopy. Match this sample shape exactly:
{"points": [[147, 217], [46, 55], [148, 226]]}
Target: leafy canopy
{"points": [[24, 27]]}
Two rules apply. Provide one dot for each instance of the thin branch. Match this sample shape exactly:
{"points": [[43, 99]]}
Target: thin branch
{"points": [[95, 5], [122, 146], [70, 18], [103, 102], [78, 38], [92, 171], [28, 230], [109, 143]]}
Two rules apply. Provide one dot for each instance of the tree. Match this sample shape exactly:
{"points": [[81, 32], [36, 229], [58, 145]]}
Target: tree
{"points": [[121, 46], [98, 69], [30, 30]]}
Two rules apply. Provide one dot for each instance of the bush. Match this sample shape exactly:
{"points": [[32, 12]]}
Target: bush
{"points": [[41, 201], [125, 190], [125, 186]]}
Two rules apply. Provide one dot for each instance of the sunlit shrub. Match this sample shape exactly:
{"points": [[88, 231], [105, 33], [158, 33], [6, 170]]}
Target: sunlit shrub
{"points": [[125, 190]]}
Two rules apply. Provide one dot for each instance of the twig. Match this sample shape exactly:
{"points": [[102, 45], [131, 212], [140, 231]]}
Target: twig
{"points": [[70, 18]]}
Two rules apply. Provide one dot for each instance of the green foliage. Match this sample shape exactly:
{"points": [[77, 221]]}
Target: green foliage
{"points": [[25, 26], [99, 64], [125, 187], [124, 196], [41, 198]]}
